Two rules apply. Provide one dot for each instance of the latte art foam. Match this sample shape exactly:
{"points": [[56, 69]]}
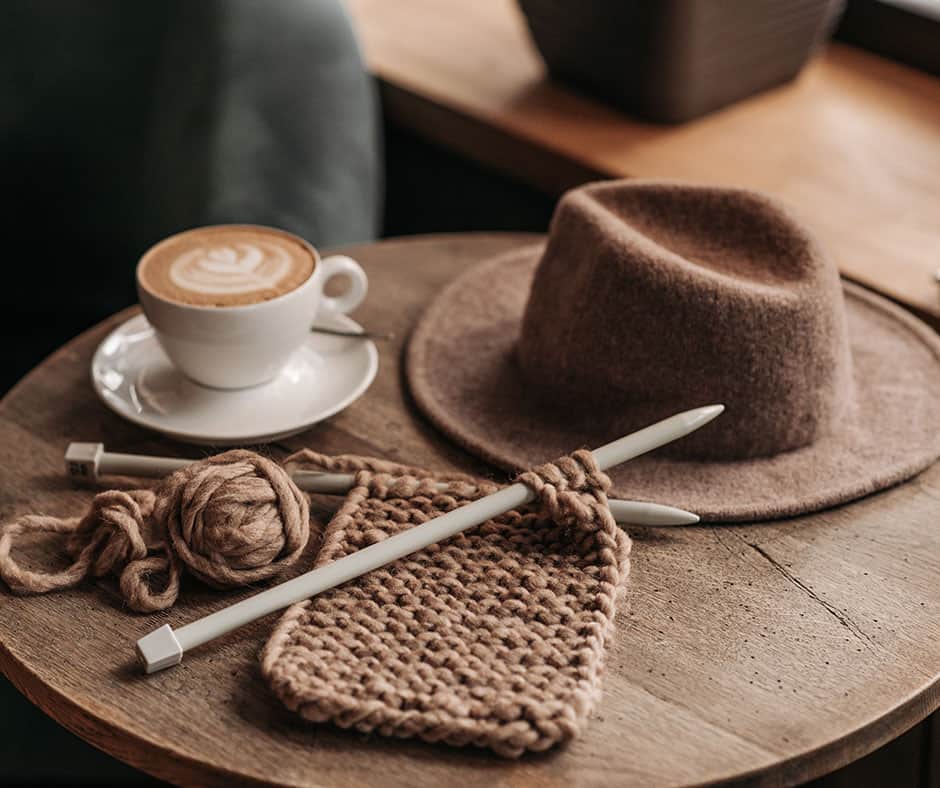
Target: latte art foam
{"points": [[226, 266], [236, 268]]}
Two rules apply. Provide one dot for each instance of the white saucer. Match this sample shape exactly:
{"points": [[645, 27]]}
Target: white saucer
{"points": [[133, 376]]}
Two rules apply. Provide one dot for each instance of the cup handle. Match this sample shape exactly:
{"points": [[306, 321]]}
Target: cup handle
{"points": [[340, 265]]}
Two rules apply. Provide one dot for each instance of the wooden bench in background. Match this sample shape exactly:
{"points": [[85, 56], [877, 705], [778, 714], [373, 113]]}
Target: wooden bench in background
{"points": [[853, 144]]}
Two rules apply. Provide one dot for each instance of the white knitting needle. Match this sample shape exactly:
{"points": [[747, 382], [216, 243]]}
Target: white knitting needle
{"points": [[164, 647], [91, 461]]}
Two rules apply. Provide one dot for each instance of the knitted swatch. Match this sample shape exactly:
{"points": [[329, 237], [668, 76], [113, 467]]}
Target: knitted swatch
{"points": [[493, 638]]}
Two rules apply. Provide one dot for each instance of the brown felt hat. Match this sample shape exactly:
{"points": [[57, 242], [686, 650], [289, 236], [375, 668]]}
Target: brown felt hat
{"points": [[654, 297]]}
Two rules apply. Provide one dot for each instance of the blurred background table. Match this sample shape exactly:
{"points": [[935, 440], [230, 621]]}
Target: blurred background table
{"points": [[766, 654], [853, 144]]}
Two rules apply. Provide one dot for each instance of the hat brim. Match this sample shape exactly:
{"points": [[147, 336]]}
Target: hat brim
{"points": [[462, 373]]}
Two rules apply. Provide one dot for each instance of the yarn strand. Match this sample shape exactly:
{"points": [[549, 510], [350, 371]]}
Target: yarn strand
{"points": [[112, 535]]}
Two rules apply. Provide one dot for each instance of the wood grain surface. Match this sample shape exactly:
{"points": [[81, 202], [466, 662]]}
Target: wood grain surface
{"points": [[853, 145], [762, 655]]}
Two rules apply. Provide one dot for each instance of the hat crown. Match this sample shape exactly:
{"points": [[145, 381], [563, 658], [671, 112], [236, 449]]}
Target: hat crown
{"points": [[653, 297]]}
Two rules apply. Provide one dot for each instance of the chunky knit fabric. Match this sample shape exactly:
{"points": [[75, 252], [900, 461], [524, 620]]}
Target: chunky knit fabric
{"points": [[493, 638]]}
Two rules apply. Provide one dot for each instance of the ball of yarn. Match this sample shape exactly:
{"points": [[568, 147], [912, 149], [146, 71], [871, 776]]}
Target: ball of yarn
{"points": [[234, 519]]}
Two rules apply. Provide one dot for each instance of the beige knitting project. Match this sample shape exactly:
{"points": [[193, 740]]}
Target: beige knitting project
{"points": [[493, 638]]}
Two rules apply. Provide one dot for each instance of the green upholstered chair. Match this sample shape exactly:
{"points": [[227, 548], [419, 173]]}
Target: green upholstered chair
{"points": [[122, 122]]}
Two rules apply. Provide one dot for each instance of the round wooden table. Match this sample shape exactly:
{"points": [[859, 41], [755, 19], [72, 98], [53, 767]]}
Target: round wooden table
{"points": [[764, 654]]}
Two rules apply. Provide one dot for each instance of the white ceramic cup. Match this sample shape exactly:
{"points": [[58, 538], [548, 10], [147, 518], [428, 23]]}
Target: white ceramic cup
{"points": [[231, 347]]}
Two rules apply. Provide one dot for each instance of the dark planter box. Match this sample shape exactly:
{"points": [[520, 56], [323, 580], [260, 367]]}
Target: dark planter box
{"points": [[677, 59]]}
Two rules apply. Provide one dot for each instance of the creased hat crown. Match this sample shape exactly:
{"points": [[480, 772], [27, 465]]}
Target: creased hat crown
{"points": [[654, 297]]}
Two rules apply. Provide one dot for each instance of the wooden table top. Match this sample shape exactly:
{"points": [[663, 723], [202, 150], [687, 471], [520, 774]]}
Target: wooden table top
{"points": [[764, 654], [853, 145]]}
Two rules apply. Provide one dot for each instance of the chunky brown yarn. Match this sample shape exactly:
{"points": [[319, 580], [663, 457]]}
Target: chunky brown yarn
{"points": [[232, 519], [493, 638]]}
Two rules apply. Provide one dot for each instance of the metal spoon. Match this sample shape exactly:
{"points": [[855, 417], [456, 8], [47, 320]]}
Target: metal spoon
{"points": [[339, 332]]}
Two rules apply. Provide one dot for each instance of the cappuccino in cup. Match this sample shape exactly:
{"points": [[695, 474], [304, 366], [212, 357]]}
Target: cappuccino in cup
{"points": [[226, 266], [230, 304]]}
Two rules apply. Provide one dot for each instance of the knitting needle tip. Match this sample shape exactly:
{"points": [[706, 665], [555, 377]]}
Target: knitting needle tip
{"points": [[681, 517], [656, 514], [699, 417]]}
